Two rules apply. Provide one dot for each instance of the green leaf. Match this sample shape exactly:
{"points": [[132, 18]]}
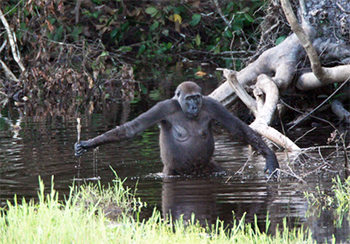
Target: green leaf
{"points": [[143, 89], [154, 26], [58, 33], [105, 53], [280, 40], [196, 18], [152, 11], [198, 40], [228, 34], [217, 49], [237, 26], [248, 17], [96, 14], [114, 33], [141, 49], [125, 49], [165, 32]]}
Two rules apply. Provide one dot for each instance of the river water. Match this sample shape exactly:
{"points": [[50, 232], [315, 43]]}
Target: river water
{"points": [[33, 146]]}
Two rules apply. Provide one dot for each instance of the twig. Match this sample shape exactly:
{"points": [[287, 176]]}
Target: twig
{"points": [[312, 116], [240, 170], [77, 11], [307, 132], [14, 48], [326, 100], [79, 159], [221, 14], [291, 173], [78, 128], [3, 46], [8, 72]]}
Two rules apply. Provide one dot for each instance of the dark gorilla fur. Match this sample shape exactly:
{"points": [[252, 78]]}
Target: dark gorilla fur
{"points": [[186, 137]]}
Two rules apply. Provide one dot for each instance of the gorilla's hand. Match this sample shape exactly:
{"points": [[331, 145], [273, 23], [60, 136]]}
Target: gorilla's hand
{"points": [[80, 147], [271, 164]]}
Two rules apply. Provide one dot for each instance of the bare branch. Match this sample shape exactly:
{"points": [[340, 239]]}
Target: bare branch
{"points": [[326, 100], [309, 81], [304, 40], [221, 13], [230, 76], [8, 72], [265, 113], [340, 111], [14, 48]]}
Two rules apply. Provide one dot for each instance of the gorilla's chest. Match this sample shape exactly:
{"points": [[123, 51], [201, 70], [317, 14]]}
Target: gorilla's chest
{"points": [[184, 129]]}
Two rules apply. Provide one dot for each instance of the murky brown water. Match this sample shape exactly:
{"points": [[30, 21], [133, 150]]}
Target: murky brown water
{"points": [[44, 147]]}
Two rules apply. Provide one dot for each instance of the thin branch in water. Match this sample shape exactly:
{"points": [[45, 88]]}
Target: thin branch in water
{"points": [[307, 132], [291, 173]]}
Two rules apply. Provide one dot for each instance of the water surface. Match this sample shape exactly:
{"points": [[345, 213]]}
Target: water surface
{"points": [[43, 146]]}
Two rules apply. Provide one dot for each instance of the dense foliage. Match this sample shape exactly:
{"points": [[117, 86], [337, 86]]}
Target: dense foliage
{"points": [[81, 46]]}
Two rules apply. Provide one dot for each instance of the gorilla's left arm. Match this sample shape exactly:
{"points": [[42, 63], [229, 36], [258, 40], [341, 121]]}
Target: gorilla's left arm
{"points": [[237, 127]]}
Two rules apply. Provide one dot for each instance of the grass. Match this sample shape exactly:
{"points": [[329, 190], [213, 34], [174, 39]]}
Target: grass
{"points": [[338, 201], [81, 218]]}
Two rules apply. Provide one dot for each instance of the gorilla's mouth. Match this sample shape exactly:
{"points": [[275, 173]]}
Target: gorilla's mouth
{"points": [[193, 113]]}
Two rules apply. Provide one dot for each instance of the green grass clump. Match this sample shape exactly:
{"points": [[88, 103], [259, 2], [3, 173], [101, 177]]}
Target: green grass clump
{"points": [[81, 218], [338, 201]]}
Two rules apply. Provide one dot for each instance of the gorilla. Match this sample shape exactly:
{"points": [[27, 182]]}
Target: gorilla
{"points": [[186, 137]]}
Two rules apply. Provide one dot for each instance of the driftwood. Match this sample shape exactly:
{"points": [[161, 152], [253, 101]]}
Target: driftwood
{"points": [[266, 94], [274, 70]]}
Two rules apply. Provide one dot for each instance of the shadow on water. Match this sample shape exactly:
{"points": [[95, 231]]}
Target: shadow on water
{"points": [[44, 146]]}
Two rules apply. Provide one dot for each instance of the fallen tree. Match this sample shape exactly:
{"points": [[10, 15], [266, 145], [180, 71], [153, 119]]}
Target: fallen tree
{"points": [[313, 56]]}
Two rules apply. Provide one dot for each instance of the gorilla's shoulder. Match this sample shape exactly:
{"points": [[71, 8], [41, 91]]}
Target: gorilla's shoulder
{"points": [[209, 101], [170, 105]]}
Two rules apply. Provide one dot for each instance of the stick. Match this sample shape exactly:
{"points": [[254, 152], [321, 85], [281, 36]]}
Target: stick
{"points": [[79, 159], [78, 128]]}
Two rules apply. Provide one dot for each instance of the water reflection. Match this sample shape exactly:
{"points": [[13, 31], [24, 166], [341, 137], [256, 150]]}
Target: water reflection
{"points": [[45, 147]]}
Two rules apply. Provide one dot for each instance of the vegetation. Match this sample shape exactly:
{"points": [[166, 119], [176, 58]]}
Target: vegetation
{"points": [[80, 220], [81, 47], [338, 200]]}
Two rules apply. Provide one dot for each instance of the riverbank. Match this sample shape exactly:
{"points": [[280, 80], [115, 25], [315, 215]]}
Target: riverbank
{"points": [[81, 218]]}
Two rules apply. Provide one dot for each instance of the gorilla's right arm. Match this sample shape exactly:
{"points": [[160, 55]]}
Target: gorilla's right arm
{"points": [[129, 129]]}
